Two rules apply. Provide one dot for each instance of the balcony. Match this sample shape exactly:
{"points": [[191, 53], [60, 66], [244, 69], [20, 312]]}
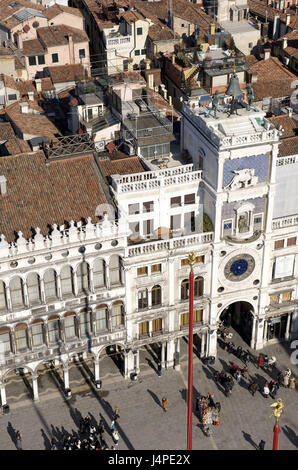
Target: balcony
{"points": [[120, 42], [284, 222]]}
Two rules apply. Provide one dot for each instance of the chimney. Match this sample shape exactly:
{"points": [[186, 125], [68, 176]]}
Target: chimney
{"points": [[71, 51], [267, 54], [289, 111], [38, 85], [212, 29], [288, 19], [147, 64], [284, 43], [173, 59], [19, 40], [3, 187], [24, 107], [31, 95]]}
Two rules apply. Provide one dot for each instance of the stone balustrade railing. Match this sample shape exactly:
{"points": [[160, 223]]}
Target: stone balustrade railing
{"points": [[171, 244], [283, 222], [61, 236]]}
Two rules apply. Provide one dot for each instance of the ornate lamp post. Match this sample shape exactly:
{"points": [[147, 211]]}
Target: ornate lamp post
{"points": [[278, 409], [191, 262]]}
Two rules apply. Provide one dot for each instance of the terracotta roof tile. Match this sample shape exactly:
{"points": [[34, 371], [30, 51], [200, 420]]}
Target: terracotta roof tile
{"points": [[288, 147], [52, 36], [260, 7], [271, 68], [6, 131], [123, 166], [289, 125], [32, 47], [56, 9], [40, 194], [16, 146], [66, 73]]}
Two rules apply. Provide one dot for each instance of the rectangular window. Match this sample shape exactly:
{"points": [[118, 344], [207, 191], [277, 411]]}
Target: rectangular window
{"points": [[227, 228], [21, 339], [144, 328], [184, 319], [41, 60], [2, 296], [190, 198], [5, 344], [148, 206], [143, 271], [117, 316], [139, 31], [274, 299], [82, 53], [37, 335], [69, 327], [227, 225], [291, 241], [12, 97], [157, 325], [175, 222], [144, 151], [258, 222], [100, 319], [189, 222], [165, 148], [142, 299], [286, 296], [137, 52], [155, 268], [54, 332], [279, 244], [176, 201], [133, 209], [147, 227], [55, 58], [134, 227], [199, 259], [85, 324], [198, 316], [143, 51], [32, 60]]}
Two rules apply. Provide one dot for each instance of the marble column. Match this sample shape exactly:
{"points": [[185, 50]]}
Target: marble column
{"points": [[3, 394], [177, 362], [203, 345], [35, 387], [66, 375], [96, 369]]}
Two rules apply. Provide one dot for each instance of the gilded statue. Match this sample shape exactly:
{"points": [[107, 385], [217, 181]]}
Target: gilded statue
{"points": [[278, 408], [191, 259]]}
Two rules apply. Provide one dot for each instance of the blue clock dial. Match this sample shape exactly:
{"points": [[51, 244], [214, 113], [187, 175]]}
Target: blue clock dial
{"points": [[239, 267]]}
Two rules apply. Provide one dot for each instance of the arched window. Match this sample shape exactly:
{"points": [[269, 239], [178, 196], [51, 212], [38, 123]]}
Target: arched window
{"points": [[114, 269], [198, 286], [37, 333], [66, 281], [184, 289], [101, 318], [117, 314], [21, 337], [3, 304], [98, 273], [5, 340], [33, 288], [142, 299], [54, 329], [70, 330], [156, 295], [85, 322], [50, 285], [83, 277], [16, 292]]}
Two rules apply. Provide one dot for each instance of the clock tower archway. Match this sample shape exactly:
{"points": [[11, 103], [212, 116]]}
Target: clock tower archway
{"points": [[239, 315]]}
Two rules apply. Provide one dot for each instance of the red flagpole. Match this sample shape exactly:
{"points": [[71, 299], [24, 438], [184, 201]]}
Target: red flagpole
{"points": [[275, 437], [190, 368]]}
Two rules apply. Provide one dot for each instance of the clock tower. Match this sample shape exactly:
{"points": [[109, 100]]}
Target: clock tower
{"points": [[237, 151]]}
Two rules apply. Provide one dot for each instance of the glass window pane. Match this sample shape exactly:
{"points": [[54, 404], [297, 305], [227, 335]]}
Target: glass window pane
{"points": [[21, 339], [2, 296], [37, 337], [16, 292], [117, 315], [101, 319], [53, 328], [5, 342], [69, 326], [98, 273]]}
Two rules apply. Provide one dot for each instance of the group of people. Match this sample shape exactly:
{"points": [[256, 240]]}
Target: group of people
{"points": [[90, 437], [208, 412]]}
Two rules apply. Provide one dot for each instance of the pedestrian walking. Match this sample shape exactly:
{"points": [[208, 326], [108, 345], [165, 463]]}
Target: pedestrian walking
{"points": [[19, 440], [253, 388], [266, 390], [260, 361], [261, 445], [116, 413], [112, 427], [115, 437], [238, 376], [266, 362], [286, 380], [292, 382], [165, 403], [81, 425]]}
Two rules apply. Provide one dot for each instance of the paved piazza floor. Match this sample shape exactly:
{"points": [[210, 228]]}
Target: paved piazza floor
{"points": [[143, 424]]}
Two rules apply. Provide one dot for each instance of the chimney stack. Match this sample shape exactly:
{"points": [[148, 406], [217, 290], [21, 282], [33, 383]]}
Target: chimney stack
{"points": [[288, 19], [38, 85], [24, 107], [173, 59], [267, 54], [71, 49], [31, 95], [3, 187], [212, 29], [284, 43]]}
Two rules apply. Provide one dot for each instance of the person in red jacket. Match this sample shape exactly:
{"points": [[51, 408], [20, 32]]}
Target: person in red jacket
{"points": [[260, 362]]}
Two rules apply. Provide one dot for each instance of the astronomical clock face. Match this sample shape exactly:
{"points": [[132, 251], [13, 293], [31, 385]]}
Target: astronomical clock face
{"points": [[239, 267]]}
